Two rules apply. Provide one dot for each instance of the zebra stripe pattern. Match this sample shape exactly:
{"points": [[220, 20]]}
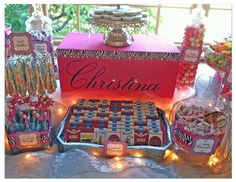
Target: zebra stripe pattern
{"points": [[44, 138], [163, 56], [11, 140]]}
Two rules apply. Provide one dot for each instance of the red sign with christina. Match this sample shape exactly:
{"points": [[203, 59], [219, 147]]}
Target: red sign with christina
{"points": [[157, 77]]}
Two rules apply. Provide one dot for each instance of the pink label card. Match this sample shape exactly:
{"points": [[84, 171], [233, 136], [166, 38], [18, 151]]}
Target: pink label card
{"points": [[114, 148], [41, 46], [21, 43], [26, 140], [191, 55], [204, 145]]}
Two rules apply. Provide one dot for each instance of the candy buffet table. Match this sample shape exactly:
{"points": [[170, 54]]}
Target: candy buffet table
{"points": [[79, 164]]}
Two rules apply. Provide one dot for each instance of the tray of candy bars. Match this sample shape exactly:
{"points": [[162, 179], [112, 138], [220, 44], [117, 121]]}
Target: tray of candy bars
{"points": [[89, 123]]}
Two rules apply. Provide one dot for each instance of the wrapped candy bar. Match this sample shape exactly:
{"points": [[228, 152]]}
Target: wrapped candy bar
{"points": [[99, 135], [155, 137], [141, 135], [87, 133], [127, 135]]}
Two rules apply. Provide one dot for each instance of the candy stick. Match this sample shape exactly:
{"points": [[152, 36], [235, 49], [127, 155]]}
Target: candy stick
{"points": [[7, 84], [34, 120], [32, 79], [38, 127], [51, 78], [41, 81], [10, 78], [28, 79]]}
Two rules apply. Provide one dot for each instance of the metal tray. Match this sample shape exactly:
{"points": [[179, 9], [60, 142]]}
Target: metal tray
{"points": [[97, 149]]}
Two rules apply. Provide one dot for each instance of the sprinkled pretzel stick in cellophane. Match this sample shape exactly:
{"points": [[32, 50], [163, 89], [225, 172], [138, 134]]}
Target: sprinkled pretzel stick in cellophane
{"points": [[20, 78], [51, 80], [11, 78], [36, 71], [41, 90], [47, 78], [29, 77], [8, 88], [43, 71]]}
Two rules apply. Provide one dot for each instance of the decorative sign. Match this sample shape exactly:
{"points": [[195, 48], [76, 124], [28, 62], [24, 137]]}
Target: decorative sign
{"points": [[204, 145], [120, 76], [28, 140], [41, 46], [114, 148], [21, 43], [149, 66], [191, 55]]}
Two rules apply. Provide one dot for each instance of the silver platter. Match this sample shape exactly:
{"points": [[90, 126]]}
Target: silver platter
{"points": [[154, 152]]}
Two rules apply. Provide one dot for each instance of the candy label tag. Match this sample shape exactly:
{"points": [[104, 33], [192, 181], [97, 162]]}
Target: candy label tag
{"points": [[112, 148], [41, 46], [191, 55], [204, 145], [28, 140], [21, 43]]}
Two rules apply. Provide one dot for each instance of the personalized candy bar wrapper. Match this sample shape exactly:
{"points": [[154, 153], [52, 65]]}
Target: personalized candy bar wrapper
{"points": [[198, 129], [28, 123]]}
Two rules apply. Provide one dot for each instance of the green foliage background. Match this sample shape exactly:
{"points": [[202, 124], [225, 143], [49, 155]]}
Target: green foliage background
{"points": [[17, 14]]}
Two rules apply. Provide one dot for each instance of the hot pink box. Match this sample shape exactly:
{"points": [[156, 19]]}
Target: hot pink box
{"points": [[149, 65]]}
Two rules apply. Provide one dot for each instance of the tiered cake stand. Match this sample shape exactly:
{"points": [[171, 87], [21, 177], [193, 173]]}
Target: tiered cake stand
{"points": [[119, 31]]}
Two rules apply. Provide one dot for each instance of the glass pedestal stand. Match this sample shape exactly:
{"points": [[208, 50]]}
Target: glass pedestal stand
{"points": [[119, 31]]}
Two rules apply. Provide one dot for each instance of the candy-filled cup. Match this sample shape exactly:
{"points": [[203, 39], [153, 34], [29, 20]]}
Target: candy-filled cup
{"points": [[216, 60], [197, 129]]}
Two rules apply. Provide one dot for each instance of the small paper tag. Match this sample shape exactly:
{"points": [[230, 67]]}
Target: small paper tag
{"points": [[204, 145], [191, 55], [41, 46], [21, 43], [114, 148], [28, 140]]}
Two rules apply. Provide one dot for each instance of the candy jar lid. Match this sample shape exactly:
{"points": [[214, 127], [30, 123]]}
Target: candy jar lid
{"points": [[35, 22], [198, 15], [39, 22]]}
